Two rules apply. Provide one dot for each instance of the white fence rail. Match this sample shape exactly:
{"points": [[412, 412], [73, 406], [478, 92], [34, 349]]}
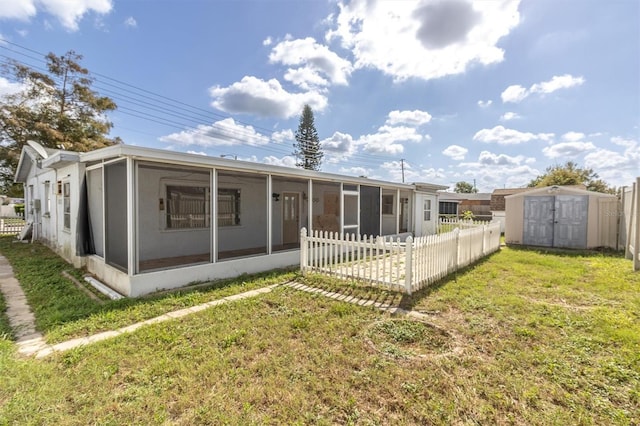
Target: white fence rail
{"points": [[400, 265]]}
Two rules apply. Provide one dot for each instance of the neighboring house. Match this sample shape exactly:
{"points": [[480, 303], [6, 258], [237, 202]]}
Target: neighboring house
{"points": [[563, 217], [144, 219], [452, 204]]}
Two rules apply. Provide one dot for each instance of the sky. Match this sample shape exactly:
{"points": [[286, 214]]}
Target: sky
{"points": [[490, 92]]}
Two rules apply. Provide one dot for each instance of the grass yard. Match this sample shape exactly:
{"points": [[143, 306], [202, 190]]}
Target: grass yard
{"points": [[523, 337]]}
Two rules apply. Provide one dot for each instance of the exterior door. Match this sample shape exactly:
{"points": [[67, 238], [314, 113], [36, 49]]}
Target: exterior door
{"points": [[404, 214], [570, 230], [538, 221], [290, 218], [556, 221]]}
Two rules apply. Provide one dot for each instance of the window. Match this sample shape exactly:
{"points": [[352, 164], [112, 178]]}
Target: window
{"points": [[387, 204], [448, 208], [47, 198], [66, 203], [427, 210], [228, 207], [187, 207]]}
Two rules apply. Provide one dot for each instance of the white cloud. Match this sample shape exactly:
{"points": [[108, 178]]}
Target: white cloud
{"points": [[573, 136], [567, 149], [306, 78], [557, 82], [267, 41], [626, 163], [8, 88], [338, 147], [485, 104], [68, 12], [504, 136], [411, 174], [490, 159], [197, 153], [355, 171], [21, 10], [514, 93], [509, 116], [387, 139], [286, 161], [282, 135], [456, 152], [221, 133], [423, 40], [413, 118], [131, 22], [252, 95], [314, 57], [489, 176], [517, 93]]}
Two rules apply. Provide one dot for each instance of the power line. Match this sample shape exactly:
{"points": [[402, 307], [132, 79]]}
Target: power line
{"points": [[152, 107]]}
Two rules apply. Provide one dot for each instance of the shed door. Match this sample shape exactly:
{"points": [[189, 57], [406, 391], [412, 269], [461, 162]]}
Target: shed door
{"points": [[556, 221], [571, 213], [538, 221]]}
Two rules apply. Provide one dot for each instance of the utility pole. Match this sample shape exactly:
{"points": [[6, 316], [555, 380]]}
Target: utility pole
{"points": [[402, 166]]}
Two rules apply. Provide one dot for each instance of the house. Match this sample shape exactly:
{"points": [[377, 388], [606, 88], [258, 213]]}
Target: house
{"points": [[143, 219], [452, 204], [563, 217]]}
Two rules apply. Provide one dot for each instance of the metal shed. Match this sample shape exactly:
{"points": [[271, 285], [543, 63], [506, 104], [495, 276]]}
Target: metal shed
{"points": [[562, 217]]}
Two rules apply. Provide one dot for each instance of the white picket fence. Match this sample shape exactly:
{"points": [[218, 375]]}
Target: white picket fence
{"points": [[405, 266], [11, 226]]}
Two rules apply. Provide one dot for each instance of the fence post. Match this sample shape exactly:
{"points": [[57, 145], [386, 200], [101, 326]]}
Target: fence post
{"points": [[457, 234], [303, 250], [484, 238], [408, 264]]}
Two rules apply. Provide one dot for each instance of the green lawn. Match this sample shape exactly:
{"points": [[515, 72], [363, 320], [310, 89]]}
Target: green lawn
{"points": [[522, 337]]}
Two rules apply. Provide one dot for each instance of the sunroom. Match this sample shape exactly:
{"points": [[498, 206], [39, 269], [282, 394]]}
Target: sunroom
{"points": [[159, 220]]}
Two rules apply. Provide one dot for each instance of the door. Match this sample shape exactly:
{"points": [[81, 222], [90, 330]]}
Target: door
{"points": [[556, 221], [538, 221], [369, 210], [570, 228], [404, 214], [290, 218]]}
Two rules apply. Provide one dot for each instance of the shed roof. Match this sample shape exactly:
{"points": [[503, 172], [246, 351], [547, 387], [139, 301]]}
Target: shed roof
{"points": [[561, 190]]}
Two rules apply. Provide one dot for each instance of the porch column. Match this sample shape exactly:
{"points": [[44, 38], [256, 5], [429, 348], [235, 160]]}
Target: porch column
{"points": [[341, 208], [398, 206], [310, 207], [132, 238], [213, 222], [269, 213], [380, 206]]}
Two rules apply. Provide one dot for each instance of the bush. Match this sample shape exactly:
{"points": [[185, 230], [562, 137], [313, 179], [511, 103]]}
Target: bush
{"points": [[19, 209]]}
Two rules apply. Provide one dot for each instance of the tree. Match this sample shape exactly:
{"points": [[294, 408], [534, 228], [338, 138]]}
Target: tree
{"points": [[56, 108], [307, 148], [464, 188], [570, 174]]}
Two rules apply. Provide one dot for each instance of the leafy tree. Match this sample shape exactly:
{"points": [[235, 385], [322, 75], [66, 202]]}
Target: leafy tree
{"points": [[464, 188], [570, 174], [56, 108], [307, 148]]}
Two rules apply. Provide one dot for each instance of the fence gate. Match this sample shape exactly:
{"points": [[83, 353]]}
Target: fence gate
{"points": [[556, 221]]}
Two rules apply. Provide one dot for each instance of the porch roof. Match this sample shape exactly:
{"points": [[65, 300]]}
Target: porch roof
{"points": [[196, 160]]}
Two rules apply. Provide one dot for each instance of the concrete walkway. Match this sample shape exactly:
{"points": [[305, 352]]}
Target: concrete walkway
{"points": [[42, 350], [20, 316]]}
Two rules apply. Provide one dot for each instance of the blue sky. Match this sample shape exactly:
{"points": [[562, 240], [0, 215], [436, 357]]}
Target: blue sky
{"points": [[491, 91]]}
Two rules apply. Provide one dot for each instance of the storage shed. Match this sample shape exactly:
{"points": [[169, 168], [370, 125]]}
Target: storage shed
{"points": [[562, 217]]}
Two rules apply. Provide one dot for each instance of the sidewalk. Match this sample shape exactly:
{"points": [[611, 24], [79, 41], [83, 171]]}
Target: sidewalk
{"points": [[22, 320]]}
